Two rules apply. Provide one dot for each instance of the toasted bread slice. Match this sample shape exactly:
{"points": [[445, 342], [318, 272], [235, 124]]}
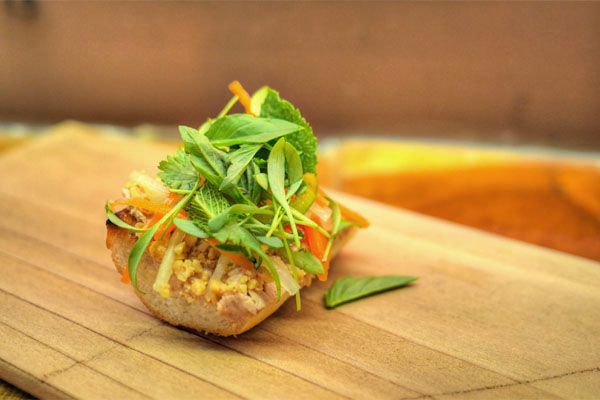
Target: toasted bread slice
{"points": [[200, 314]]}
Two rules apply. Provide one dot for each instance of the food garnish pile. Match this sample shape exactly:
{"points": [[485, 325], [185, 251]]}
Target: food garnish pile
{"points": [[236, 218]]}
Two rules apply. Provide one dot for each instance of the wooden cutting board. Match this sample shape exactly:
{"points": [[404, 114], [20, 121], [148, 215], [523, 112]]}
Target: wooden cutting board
{"points": [[488, 318]]}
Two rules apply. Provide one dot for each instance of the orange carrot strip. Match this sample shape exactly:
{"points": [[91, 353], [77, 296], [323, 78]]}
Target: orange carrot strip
{"points": [[352, 216], [143, 204], [317, 243], [236, 258], [236, 88], [125, 276]]}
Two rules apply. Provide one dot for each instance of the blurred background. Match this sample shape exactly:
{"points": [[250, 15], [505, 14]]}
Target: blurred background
{"points": [[481, 113]]}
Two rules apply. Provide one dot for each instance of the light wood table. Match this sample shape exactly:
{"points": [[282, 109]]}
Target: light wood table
{"points": [[488, 318]]}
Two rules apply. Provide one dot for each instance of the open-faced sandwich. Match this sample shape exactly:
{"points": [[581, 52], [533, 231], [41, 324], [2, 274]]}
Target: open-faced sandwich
{"points": [[234, 224]]}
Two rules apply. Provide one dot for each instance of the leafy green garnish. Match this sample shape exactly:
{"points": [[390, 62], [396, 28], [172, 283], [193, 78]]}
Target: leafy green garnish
{"points": [[276, 176], [207, 204], [240, 159], [189, 227], [178, 171], [138, 249], [208, 160], [233, 233], [274, 106], [119, 222], [307, 261], [244, 178], [349, 288], [238, 129]]}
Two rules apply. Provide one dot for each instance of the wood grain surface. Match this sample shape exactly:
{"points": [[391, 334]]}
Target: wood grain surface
{"points": [[488, 318]]}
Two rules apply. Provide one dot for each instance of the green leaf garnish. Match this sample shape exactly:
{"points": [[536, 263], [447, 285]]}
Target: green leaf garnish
{"points": [[207, 204], [177, 172], [271, 241], [307, 261], [349, 288], [240, 159], [238, 129], [304, 141], [119, 222], [276, 175], [189, 228]]}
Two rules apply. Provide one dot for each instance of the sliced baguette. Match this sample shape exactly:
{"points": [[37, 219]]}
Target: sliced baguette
{"points": [[176, 310]]}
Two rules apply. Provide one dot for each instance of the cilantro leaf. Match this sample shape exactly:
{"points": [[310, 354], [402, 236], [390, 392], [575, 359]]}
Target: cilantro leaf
{"points": [[177, 172], [304, 141]]}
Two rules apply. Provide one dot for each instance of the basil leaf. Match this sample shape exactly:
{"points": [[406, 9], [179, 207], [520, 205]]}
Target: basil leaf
{"points": [[307, 261], [349, 288], [271, 241], [240, 159], [243, 128], [190, 228], [178, 171], [119, 222]]}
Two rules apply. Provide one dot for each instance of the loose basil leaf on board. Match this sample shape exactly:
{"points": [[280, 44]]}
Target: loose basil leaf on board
{"points": [[350, 288], [238, 129]]}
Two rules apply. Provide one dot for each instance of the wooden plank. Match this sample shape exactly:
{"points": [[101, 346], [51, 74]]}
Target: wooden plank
{"points": [[578, 385], [134, 329], [521, 391], [383, 362], [102, 354], [487, 314]]}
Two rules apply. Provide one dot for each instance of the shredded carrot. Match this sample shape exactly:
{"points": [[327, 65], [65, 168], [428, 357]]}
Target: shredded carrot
{"points": [[317, 243], [125, 276], [236, 258], [352, 216], [143, 204], [236, 88]]}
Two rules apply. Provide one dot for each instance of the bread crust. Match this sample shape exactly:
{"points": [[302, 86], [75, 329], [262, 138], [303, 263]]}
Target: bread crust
{"points": [[176, 310]]}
